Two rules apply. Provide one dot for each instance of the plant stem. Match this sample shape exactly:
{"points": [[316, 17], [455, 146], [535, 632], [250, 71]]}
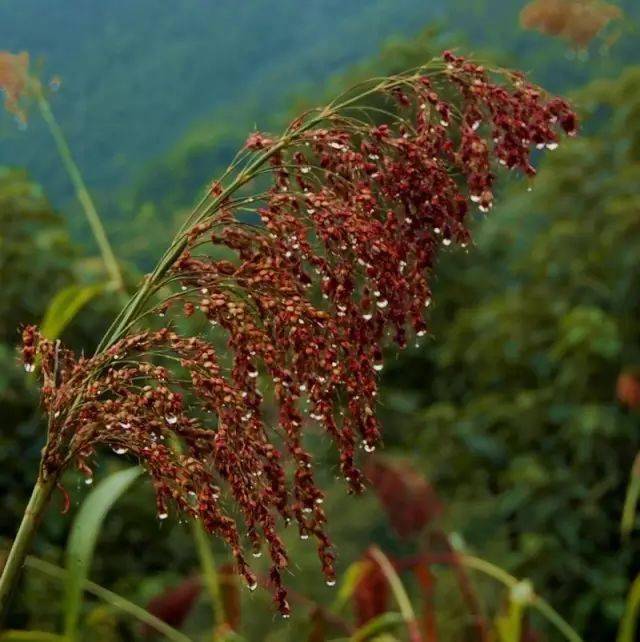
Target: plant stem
{"points": [[82, 193], [398, 590], [629, 622], [209, 573], [542, 606], [24, 537], [112, 598]]}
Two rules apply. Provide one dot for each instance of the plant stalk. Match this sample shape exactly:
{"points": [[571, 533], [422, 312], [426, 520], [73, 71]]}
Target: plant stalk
{"points": [[82, 193], [112, 598], [209, 574], [399, 593], [542, 606], [22, 542]]}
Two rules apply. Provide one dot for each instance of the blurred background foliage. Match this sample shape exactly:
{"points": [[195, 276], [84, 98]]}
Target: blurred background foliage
{"points": [[521, 408]]}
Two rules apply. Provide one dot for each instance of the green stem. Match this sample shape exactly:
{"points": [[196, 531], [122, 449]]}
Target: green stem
{"points": [[399, 592], [209, 573], [628, 624], [542, 606], [110, 261], [22, 542], [112, 598]]}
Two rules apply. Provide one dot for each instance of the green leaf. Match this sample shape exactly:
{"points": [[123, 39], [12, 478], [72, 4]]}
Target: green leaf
{"points": [[631, 500], [30, 636], [65, 305], [629, 622], [377, 625], [350, 580], [82, 541], [113, 599]]}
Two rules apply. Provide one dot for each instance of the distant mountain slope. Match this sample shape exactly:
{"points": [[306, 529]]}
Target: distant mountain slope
{"points": [[488, 28], [137, 73]]}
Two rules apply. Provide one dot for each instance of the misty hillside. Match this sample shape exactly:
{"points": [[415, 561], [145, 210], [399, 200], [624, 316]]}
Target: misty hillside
{"points": [[137, 73]]}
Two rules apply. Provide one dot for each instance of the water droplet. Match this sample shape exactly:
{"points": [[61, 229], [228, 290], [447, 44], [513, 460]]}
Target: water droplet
{"points": [[253, 586], [29, 367], [305, 169], [163, 515], [331, 582], [304, 535], [421, 333], [378, 366], [120, 450], [446, 242], [252, 374], [427, 302], [369, 447], [257, 554], [88, 481], [382, 303], [171, 419], [552, 146]]}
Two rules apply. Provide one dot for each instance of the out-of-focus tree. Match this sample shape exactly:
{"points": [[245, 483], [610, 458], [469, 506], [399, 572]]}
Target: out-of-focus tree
{"points": [[36, 258]]}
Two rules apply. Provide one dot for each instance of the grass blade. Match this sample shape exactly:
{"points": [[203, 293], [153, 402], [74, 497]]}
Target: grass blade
{"points": [[109, 597], [631, 500], [377, 625], [399, 593], [629, 622], [82, 541], [535, 601], [30, 636], [65, 305], [348, 585]]}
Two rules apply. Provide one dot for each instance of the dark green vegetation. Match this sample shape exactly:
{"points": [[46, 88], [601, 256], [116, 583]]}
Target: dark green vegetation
{"points": [[509, 408]]}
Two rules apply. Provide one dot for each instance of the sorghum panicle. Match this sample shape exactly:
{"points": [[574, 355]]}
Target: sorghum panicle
{"points": [[338, 256]]}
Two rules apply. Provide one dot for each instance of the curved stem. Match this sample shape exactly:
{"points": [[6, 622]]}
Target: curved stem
{"points": [[542, 606], [629, 622], [209, 573], [399, 592], [110, 261], [22, 542], [112, 598]]}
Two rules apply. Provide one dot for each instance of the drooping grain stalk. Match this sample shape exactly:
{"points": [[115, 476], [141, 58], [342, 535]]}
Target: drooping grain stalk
{"points": [[330, 233]]}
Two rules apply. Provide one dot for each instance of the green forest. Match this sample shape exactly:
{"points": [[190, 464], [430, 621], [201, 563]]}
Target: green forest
{"points": [[500, 502]]}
